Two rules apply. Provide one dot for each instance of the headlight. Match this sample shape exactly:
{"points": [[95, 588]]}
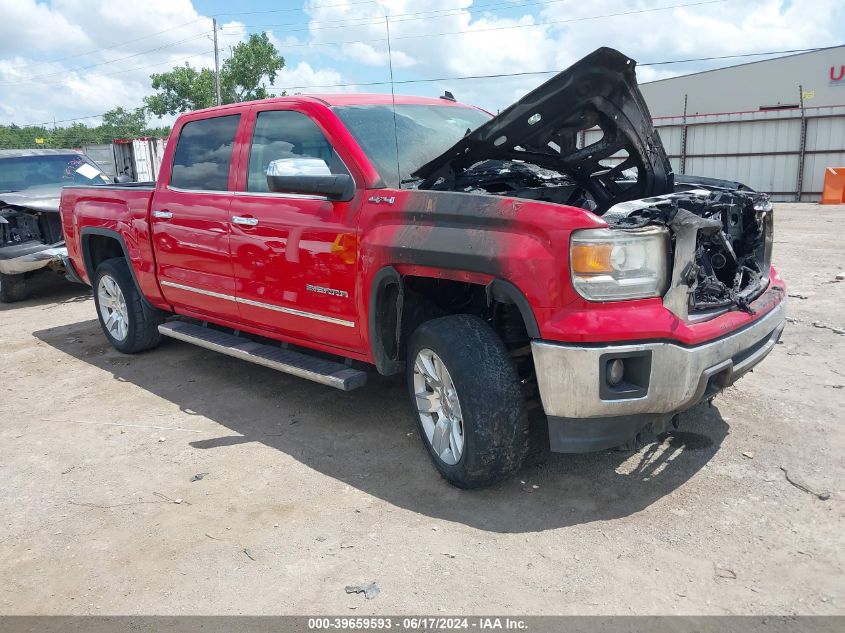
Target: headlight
{"points": [[615, 264]]}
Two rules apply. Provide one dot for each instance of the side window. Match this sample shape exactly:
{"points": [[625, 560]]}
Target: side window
{"points": [[283, 134], [203, 154]]}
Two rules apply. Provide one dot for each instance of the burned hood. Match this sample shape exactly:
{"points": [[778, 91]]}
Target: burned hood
{"points": [[543, 127], [40, 199]]}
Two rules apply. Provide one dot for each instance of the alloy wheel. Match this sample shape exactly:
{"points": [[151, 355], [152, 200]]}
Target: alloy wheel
{"points": [[113, 308], [438, 406]]}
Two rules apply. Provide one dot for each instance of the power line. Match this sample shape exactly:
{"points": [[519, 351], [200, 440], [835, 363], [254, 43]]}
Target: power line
{"points": [[113, 46], [500, 28], [378, 20], [94, 116], [540, 72], [110, 61], [43, 123], [129, 70], [482, 30], [317, 6], [491, 76], [454, 11], [174, 28]]}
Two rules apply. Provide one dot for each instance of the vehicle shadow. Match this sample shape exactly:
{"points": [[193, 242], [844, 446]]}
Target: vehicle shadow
{"points": [[47, 287], [367, 439]]}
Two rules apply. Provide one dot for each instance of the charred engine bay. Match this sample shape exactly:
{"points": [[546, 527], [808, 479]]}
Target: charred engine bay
{"points": [[721, 231], [721, 241], [519, 180]]}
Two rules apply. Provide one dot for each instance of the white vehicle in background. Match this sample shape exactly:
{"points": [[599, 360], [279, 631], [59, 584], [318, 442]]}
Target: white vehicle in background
{"points": [[31, 182]]}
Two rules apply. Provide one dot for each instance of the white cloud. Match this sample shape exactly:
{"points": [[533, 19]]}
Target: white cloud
{"points": [[104, 51], [291, 79], [480, 44], [724, 28], [36, 27], [370, 55]]}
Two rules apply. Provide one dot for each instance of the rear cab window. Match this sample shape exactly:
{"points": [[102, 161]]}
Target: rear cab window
{"points": [[203, 154]]}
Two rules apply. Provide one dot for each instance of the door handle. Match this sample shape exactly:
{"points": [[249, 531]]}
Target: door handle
{"points": [[243, 221], [163, 215]]}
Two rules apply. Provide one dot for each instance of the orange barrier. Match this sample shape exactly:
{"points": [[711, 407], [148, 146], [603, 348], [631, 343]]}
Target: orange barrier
{"points": [[834, 186]]}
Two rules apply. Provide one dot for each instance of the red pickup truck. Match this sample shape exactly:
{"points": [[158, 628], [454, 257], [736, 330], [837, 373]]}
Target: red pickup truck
{"points": [[498, 262]]}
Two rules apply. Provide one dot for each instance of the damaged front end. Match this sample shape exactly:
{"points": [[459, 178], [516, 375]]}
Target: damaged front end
{"points": [[30, 233], [721, 231], [722, 243]]}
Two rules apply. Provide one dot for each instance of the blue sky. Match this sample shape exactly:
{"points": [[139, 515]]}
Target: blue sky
{"points": [[67, 59]]}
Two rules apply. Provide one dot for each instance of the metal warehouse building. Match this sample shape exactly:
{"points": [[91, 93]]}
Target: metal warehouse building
{"points": [[774, 125]]}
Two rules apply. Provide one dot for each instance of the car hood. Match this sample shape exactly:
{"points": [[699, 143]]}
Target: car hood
{"points": [[43, 199], [543, 128]]}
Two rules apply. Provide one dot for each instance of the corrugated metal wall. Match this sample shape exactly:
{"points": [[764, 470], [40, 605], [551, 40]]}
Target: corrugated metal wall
{"points": [[140, 158], [766, 150]]}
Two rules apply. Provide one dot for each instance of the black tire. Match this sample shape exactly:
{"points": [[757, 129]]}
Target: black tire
{"points": [[495, 424], [142, 320], [12, 288]]}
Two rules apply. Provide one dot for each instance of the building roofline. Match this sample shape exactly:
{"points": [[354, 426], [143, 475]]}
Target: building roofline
{"points": [[758, 61]]}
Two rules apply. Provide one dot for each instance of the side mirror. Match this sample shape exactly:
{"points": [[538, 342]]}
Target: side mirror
{"points": [[310, 176], [122, 178]]}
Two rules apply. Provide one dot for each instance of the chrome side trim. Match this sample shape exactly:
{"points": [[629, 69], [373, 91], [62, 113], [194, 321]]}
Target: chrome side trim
{"points": [[258, 304], [276, 194], [199, 291], [200, 191], [307, 315]]}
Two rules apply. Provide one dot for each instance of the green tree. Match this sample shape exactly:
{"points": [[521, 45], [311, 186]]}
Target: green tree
{"points": [[74, 135], [242, 78], [122, 123], [181, 89], [117, 123]]}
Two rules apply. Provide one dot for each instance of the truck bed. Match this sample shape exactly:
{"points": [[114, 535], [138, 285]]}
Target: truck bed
{"points": [[119, 210]]}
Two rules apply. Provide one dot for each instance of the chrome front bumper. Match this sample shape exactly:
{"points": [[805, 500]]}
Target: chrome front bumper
{"points": [[27, 262], [572, 382]]}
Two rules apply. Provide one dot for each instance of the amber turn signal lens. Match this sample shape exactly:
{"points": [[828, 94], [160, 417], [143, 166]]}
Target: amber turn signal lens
{"points": [[591, 259]]}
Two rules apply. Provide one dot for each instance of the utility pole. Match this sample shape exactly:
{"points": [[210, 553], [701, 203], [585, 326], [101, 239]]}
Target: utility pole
{"points": [[683, 161], [802, 147], [216, 63]]}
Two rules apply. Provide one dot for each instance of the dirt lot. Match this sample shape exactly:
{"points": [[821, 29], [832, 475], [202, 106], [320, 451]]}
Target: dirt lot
{"points": [[308, 489]]}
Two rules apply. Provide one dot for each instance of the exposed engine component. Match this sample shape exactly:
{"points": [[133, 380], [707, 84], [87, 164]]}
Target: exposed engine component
{"points": [[722, 243], [520, 180], [19, 225], [721, 231]]}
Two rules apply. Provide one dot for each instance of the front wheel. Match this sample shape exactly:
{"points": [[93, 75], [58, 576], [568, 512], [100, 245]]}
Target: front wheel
{"points": [[127, 321], [468, 402]]}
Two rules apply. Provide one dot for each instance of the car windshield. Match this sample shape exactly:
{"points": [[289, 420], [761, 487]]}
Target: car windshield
{"points": [[423, 133], [20, 173]]}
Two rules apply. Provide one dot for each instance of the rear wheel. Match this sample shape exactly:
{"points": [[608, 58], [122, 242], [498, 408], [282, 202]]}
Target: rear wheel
{"points": [[467, 399], [127, 321], [12, 288]]}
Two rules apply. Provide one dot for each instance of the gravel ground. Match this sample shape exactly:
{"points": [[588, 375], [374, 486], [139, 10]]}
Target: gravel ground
{"points": [[307, 490]]}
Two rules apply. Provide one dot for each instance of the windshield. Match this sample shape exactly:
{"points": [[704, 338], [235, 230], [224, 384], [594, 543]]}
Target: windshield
{"points": [[423, 133], [20, 173]]}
